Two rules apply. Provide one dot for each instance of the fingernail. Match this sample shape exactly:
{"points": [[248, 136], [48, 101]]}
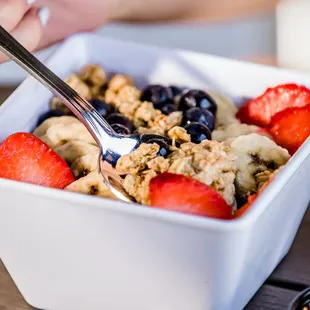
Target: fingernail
{"points": [[44, 14], [30, 2]]}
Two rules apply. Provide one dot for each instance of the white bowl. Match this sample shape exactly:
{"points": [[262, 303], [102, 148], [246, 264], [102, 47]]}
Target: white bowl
{"points": [[72, 251]]}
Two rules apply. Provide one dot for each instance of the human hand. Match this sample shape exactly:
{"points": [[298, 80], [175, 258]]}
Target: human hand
{"points": [[71, 16], [22, 22]]}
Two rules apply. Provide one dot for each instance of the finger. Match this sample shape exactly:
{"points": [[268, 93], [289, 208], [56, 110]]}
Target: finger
{"points": [[28, 31], [12, 11]]}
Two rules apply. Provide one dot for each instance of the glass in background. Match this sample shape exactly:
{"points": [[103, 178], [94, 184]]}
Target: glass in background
{"points": [[293, 28]]}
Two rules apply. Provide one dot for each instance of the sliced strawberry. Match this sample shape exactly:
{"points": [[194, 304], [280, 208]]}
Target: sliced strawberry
{"points": [[25, 158], [291, 127], [260, 110], [184, 194]]}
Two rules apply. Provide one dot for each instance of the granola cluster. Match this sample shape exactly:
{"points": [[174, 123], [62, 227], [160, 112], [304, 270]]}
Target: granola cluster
{"points": [[210, 162], [122, 94], [145, 117]]}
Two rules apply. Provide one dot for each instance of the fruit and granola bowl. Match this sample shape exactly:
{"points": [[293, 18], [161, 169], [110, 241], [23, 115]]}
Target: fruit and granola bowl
{"points": [[203, 156], [193, 239]]}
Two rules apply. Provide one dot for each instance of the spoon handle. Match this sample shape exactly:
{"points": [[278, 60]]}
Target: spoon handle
{"points": [[98, 127]]}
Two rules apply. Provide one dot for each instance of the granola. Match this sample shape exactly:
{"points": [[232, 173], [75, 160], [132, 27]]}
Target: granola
{"points": [[236, 163], [119, 81], [178, 134], [128, 93], [210, 162], [79, 86], [137, 160], [161, 123], [95, 77]]}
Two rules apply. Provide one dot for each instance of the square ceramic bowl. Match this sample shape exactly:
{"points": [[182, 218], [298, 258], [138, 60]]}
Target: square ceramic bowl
{"points": [[71, 251]]}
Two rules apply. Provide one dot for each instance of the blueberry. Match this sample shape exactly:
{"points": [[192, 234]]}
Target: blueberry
{"points": [[202, 116], [198, 132], [102, 107], [117, 118], [120, 129], [168, 108], [197, 98], [49, 114], [163, 143], [158, 95], [176, 90]]}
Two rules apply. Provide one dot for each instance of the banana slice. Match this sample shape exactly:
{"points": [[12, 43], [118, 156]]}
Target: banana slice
{"points": [[59, 134], [65, 120], [72, 150], [226, 109], [82, 166], [91, 184], [257, 157], [230, 131]]}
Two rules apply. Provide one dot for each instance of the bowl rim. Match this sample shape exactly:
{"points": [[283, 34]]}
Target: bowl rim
{"points": [[262, 203]]}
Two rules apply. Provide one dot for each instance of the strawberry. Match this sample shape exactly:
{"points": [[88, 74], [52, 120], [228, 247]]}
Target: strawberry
{"points": [[25, 158], [259, 111], [183, 194], [291, 127]]}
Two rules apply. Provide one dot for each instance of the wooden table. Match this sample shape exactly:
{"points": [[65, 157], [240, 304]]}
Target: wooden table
{"points": [[291, 276]]}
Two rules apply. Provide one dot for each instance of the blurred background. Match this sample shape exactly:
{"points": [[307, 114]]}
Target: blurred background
{"points": [[259, 33], [248, 38]]}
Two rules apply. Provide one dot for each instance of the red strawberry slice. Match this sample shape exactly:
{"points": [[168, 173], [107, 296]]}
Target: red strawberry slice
{"points": [[291, 127], [25, 158], [260, 110], [183, 194]]}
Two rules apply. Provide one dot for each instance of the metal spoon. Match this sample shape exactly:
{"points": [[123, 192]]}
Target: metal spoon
{"points": [[112, 145]]}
